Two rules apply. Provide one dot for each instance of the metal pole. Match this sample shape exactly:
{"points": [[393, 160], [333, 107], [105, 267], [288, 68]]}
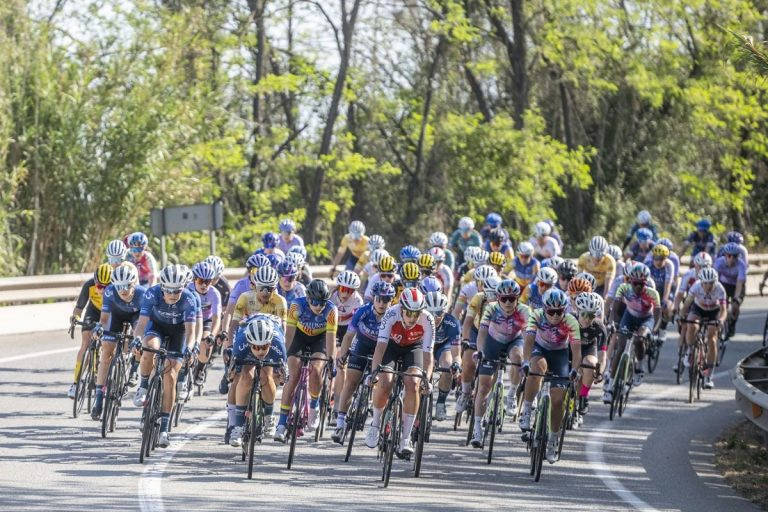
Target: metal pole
{"points": [[163, 254], [212, 234]]}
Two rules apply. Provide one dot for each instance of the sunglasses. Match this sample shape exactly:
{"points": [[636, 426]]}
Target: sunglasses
{"points": [[387, 276], [507, 299], [172, 291], [411, 314], [137, 249], [100, 286], [344, 289], [638, 283], [260, 348], [123, 287], [426, 272], [542, 284], [266, 289], [659, 258], [730, 255], [316, 302], [203, 281], [290, 279], [383, 298], [586, 314], [555, 312]]}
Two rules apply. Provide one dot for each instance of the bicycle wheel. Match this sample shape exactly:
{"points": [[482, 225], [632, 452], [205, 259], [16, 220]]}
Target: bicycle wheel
{"points": [[395, 424], [470, 422], [295, 423], [421, 436], [82, 384], [542, 437], [721, 346], [493, 419], [109, 401], [255, 430], [693, 376], [618, 387], [680, 365], [653, 355], [430, 408], [149, 421], [570, 399], [357, 412], [322, 410]]}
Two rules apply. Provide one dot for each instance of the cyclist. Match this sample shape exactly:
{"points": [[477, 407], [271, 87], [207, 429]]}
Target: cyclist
{"points": [[139, 255], [260, 337], [442, 271], [498, 262], [410, 274], [385, 274], [701, 260], [576, 286], [594, 342], [465, 236], [566, 271], [544, 245], [643, 221], [90, 300], [210, 298], [168, 315], [501, 332], [497, 241], [439, 240], [269, 247], [220, 282], [701, 240], [288, 236], [447, 346], [546, 278], [312, 324], [493, 222], [598, 262], [548, 334], [736, 238], [288, 285], [116, 253], [663, 275], [244, 284], [732, 272], [427, 265], [642, 247], [298, 255], [347, 300], [351, 248], [673, 257], [375, 242], [359, 343], [706, 301], [406, 335], [524, 265]]}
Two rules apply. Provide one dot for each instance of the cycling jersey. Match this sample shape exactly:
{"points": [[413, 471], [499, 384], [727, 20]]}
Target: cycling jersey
{"points": [[708, 300], [673, 257], [146, 265], [375, 278], [743, 254], [356, 247], [445, 275], [154, 306], [547, 248], [636, 226], [598, 268], [210, 301], [450, 258], [687, 281], [293, 241], [365, 323], [733, 274], [553, 336], [222, 284], [301, 316], [241, 286], [661, 276], [422, 331], [477, 307], [701, 244], [525, 272], [502, 327], [298, 290], [532, 296], [638, 253], [638, 305], [594, 335], [459, 244], [242, 350], [114, 304], [448, 331], [348, 307], [468, 291], [248, 304], [89, 292]]}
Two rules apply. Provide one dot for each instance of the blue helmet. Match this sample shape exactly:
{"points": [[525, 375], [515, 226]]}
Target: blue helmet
{"points": [[256, 261], [430, 284], [204, 270], [383, 289], [666, 242], [137, 239], [287, 226], [735, 237], [732, 248], [409, 253], [493, 219], [287, 268], [644, 234], [299, 249], [269, 240], [275, 259], [703, 225]]}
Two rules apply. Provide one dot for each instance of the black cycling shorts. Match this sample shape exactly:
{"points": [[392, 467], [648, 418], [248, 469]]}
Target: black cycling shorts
{"points": [[410, 357], [304, 343]]}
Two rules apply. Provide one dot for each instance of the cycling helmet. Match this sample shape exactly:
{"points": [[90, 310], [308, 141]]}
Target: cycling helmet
{"points": [[489, 286], [732, 248], [376, 242], [666, 242], [615, 251], [318, 290], [567, 269], [660, 251], [437, 253], [643, 217], [497, 258], [546, 275], [702, 259], [357, 229], [125, 274], [627, 270], [216, 263], [579, 285], [644, 234], [116, 249], [496, 236], [187, 272], [103, 274], [493, 219], [589, 277], [430, 284], [269, 240], [554, 298], [265, 276], [173, 276], [426, 262], [438, 239], [412, 299], [525, 249], [735, 237], [483, 272], [469, 253], [542, 229], [409, 253], [553, 262], [204, 270], [260, 332], [387, 264], [466, 223], [480, 257], [287, 226], [436, 302], [300, 249], [296, 258], [410, 271], [708, 275], [598, 246], [703, 224], [589, 302], [376, 256], [275, 259], [383, 289], [287, 268], [137, 239], [508, 288], [639, 272], [348, 279], [256, 261]]}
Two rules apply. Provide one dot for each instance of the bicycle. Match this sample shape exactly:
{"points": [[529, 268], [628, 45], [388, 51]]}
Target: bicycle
{"points": [[725, 334], [298, 417], [470, 409], [538, 438], [698, 359], [423, 424], [116, 385], [653, 352], [623, 379], [253, 428], [325, 404], [570, 414], [85, 387], [181, 401], [358, 411], [495, 412], [150, 415]]}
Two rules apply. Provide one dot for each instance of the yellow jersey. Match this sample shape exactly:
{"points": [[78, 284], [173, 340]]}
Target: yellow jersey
{"points": [[477, 307], [248, 304], [356, 247], [598, 268]]}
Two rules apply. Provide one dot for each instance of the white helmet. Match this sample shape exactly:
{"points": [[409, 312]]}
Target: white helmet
{"points": [[125, 274], [188, 275], [598, 246], [260, 332], [436, 303], [703, 259], [480, 257], [174, 276], [547, 275], [296, 258], [615, 252], [483, 272], [116, 249], [376, 242], [643, 217], [553, 262], [589, 302], [469, 252], [525, 248], [377, 254], [438, 239], [707, 275], [348, 279], [466, 223], [438, 253], [412, 299], [357, 229], [542, 229], [589, 277], [264, 276], [490, 284], [216, 263]]}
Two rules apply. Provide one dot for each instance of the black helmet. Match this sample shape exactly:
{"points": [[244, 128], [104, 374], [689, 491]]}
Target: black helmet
{"points": [[318, 290], [567, 269], [495, 236]]}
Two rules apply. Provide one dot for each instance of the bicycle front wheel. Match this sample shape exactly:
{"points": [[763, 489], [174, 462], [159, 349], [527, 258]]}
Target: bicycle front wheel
{"points": [[693, 376], [357, 412], [653, 355], [394, 426], [421, 436], [322, 411], [295, 423], [256, 429], [110, 398], [542, 436], [493, 419], [81, 389]]}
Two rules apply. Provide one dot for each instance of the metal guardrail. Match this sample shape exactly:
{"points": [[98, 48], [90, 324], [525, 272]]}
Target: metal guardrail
{"points": [[750, 378]]}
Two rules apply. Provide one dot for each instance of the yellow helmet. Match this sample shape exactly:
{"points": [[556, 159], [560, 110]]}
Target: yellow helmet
{"points": [[387, 264], [660, 250], [410, 271], [103, 274], [427, 262], [497, 258]]}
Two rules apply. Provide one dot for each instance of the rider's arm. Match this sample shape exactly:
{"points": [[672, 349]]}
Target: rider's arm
{"points": [[346, 342], [482, 335], [530, 337], [190, 329], [466, 327], [686, 306], [141, 326]]}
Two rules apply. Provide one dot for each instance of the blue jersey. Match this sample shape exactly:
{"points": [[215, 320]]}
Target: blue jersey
{"points": [[448, 331], [365, 323], [112, 303], [298, 290], [277, 351], [153, 305], [701, 243], [534, 297], [525, 272]]}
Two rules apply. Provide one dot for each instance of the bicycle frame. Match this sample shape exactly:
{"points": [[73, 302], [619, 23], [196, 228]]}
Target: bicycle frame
{"points": [[298, 417]]}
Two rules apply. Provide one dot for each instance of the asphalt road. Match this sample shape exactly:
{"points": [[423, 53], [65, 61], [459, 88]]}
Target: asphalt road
{"points": [[657, 457]]}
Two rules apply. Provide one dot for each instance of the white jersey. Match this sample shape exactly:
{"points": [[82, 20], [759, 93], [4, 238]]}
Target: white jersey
{"points": [[548, 249], [708, 300], [445, 276], [392, 328], [348, 307], [687, 281], [467, 292]]}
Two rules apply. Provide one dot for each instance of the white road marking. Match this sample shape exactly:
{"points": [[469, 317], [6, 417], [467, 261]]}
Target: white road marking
{"points": [[38, 354]]}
